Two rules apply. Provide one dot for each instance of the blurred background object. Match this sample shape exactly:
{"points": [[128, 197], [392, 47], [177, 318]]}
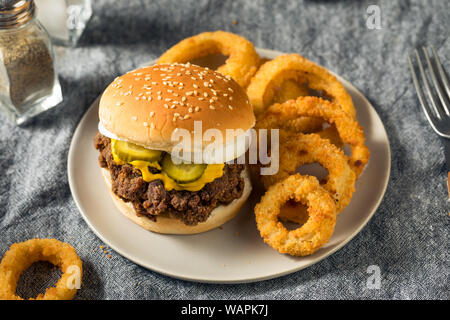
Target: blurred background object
{"points": [[29, 83], [64, 20]]}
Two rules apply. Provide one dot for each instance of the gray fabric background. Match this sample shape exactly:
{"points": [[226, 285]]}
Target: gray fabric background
{"points": [[408, 236]]}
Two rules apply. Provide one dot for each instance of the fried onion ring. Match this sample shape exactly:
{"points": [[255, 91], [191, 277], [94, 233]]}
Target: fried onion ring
{"points": [[241, 65], [317, 230], [22, 255], [301, 149], [349, 130], [293, 66]]}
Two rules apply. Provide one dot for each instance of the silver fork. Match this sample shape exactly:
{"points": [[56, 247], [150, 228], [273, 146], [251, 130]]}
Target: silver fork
{"points": [[437, 108]]}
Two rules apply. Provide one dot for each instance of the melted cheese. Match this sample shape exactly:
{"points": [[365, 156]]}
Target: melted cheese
{"points": [[212, 172]]}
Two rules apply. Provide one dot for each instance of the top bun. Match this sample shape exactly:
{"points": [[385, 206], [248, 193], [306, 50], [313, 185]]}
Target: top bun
{"points": [[146, 105]]}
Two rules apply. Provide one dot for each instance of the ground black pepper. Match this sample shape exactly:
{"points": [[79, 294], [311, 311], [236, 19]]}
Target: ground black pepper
{"points": [[28, 66]]}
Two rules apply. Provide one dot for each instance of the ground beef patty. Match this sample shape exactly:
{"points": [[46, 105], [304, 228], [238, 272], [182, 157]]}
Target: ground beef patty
{"points": [[151, 198]]}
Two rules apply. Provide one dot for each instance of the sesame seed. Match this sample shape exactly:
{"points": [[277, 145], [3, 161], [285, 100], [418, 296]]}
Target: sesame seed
{"points": [[173, 106], [166, 106], [183, 99], [190, 109], [229, 89], [119, 103], [195, 86], [145, 124], [176, 114], [159, 97], [186, 117], [152, 113], [149, 98], [205, 94], [197, 109], [231, 108], [205, 84], [211, 107], [167, 99], [152, 125]]}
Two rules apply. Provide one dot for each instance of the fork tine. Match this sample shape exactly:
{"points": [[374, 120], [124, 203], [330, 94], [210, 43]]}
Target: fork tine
{"points": [[444, 78], [423, 102], [436, 83], [427, 87]]}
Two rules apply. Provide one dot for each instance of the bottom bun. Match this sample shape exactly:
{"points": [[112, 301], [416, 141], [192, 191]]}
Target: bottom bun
{"points": [[166, 224]]}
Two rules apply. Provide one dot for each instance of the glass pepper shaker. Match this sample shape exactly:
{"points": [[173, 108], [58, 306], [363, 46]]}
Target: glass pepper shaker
{"points": [[28, 81]]}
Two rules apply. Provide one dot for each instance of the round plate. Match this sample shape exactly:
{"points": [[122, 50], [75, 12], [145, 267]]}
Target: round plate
{"points": [[235, 252]]}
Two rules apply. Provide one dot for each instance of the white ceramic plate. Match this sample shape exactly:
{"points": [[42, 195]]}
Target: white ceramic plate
{"points": [[236, 253]]}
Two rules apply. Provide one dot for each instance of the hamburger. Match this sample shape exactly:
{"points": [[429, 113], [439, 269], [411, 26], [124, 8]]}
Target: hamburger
{"points": [[163, 170]]}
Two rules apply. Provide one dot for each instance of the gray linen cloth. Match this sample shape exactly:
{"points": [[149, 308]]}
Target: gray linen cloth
{"points": [[407, 237]]}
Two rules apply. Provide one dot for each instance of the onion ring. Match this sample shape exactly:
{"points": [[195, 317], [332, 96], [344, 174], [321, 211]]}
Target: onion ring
{"points": [[301, 149], [22, 255], [349, 130], [241, 65], [293, 66], [314, 233]]}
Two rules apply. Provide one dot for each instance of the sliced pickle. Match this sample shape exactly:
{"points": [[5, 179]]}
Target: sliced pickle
{"points": [[128, 152], [182, 173]]}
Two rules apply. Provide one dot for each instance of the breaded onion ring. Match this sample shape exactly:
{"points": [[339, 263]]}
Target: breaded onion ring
{"points": [[314, 233], [22, 255], [300, 124], [302, 149], [241, 65], [293, 66], [348, 128]]}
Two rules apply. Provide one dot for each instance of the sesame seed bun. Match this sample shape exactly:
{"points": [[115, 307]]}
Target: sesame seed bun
{"points": [[168, 225], [147, 105]]}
